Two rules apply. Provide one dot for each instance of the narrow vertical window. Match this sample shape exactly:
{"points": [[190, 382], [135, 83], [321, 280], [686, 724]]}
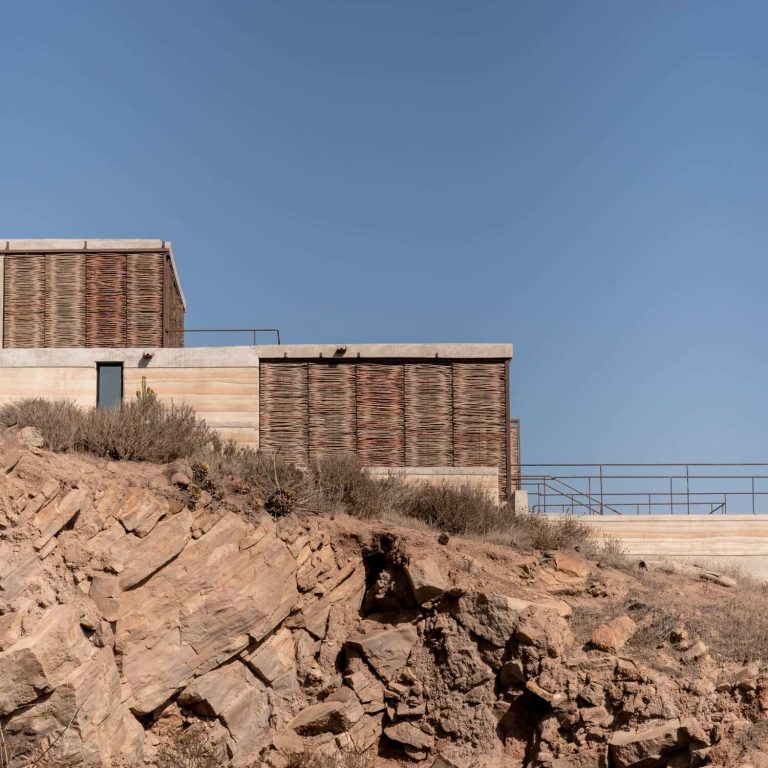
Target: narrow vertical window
{"points": [[109, 385]]}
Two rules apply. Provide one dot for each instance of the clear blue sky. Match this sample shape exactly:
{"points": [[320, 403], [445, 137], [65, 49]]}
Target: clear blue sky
{"points": [[585, 179]]}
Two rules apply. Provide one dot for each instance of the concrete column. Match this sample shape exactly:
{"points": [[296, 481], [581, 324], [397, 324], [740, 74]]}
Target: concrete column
{"points": [[520, 502]]}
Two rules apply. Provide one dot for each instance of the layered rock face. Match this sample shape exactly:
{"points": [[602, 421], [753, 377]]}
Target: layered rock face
{"points": [[129, 608]]}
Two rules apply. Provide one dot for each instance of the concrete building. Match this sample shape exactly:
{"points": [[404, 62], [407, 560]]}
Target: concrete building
{"points": [[88, 320]]}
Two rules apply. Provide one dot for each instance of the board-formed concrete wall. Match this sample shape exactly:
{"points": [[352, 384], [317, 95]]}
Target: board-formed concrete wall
{"points": [[716, 540], [221, 383]]}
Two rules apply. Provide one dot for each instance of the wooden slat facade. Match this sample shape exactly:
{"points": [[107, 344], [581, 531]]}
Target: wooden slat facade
{"points": [[392, 414], [79, 299]]}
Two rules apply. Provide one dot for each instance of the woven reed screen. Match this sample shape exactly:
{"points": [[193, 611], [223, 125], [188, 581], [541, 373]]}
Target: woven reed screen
{"points": [[331, 409], [283, 409], [64, 300], [428, 415], [381, 414], [105, 297], [391, 414], [479, 417], [514, 454], [24, 306], [144, 299], [91, 299], [173, 314]]}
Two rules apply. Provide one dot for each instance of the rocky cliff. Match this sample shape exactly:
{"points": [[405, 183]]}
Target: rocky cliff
{"points": [[133, 611]]}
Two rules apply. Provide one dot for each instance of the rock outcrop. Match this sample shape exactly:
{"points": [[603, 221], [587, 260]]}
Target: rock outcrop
{"points": [[131, 610]]}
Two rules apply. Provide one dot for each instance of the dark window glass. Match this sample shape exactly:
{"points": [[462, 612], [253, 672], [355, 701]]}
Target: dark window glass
{"points": [[110, 384]]}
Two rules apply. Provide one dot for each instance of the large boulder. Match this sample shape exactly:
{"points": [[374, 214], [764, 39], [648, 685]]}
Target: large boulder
{"points": [[426, 578], [387, 650], [337, 714], [143, 556], [650, 747], [238, 699], [205, 607], [83, 718], [613, 635], [41, 661]]}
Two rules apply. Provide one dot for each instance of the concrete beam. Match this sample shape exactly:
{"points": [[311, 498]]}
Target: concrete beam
{"points": [[168, 357], [385, 351]]}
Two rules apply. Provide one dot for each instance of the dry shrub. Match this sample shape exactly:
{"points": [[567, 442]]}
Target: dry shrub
{"points": [[537, 531], [191, 748], [346, 759], [461, 510], [140, 430], [59, 421], [341, 483]]}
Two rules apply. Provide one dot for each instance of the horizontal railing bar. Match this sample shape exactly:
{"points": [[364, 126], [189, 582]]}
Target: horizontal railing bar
{"points": [[254, 331], [645, 477], [660, 464], [667, 495]]}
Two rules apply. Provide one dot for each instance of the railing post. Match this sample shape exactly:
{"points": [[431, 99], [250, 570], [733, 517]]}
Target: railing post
{"points": [[602, 506], [753, 494], [649, 503], [687, 490], [671, 498], [589, 493]]}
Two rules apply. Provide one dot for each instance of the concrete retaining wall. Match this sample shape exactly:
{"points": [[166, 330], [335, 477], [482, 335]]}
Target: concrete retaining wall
{"points": [[718, 540]]}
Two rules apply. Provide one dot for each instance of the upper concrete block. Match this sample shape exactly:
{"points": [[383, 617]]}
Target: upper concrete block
{"points": [[98, 245], [385, 351]]}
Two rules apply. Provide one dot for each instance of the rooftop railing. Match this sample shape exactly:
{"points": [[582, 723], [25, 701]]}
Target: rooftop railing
{"points": [[647, 489], [226, 336]]}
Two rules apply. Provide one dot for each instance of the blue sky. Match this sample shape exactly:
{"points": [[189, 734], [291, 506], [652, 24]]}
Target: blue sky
{"points": [[584, 179]]}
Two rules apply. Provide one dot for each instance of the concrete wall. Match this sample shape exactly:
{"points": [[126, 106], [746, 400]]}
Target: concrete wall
{"points": [[484, 479], [221, 383], [717, 540]]}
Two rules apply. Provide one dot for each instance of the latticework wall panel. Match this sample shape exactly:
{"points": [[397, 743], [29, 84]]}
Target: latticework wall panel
{"points": [[144, 299], [173, 311], [428, 415], [479, 417], [392, 414], [332, 416], [24, 305], [176, 317], [514, 454], [65, 300], [283, 423], [105, 300], [381, 414]]}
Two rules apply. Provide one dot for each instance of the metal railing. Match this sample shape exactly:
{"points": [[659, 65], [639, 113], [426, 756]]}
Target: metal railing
{"points": [[250, 331], [652, 489]]}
